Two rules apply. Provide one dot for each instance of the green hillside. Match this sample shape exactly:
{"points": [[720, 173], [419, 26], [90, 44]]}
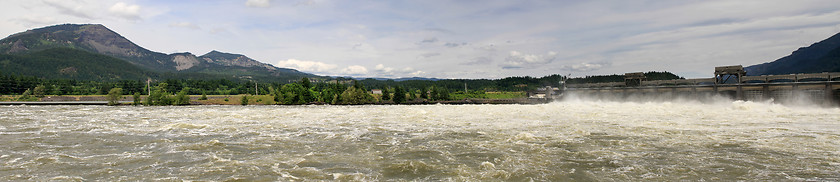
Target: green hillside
{"points": [[70, 63]]}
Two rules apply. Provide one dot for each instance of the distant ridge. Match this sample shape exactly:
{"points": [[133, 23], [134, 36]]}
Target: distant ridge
{"points": [[98, 39], [400, 79], [823, 56]]}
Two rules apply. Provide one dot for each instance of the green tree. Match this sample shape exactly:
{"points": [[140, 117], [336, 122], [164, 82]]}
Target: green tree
{"points": [[203, 96], [150, 101], [411, 94], [439, 93], [136, 98], [305, 83], [355, 96], [26, 96], [292, 93], [159, 96], [443, 94], [424, 93], [306, 95], [386, 95], [114, 96], [335, 93], [399, 95], [358, 85], [39, 91], [278, 96], [182, 98], [433, 93], [244, 100]]}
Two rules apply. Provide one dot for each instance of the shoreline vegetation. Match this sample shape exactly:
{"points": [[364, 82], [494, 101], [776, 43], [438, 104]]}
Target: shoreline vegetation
{"points": [[222, 92], [298, 93], [19, 89], [126, 100]]}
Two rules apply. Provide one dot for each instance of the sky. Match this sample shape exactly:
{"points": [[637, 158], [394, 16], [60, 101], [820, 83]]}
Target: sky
{"points": [[457, 39]]}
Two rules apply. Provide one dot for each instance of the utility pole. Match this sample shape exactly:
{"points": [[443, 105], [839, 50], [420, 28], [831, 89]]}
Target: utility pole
{"points": [[256, 91], [149, 86], [465, 88]]}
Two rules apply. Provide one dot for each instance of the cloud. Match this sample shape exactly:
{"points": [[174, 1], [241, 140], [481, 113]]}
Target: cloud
{"points": [[487, 48], [127, 11], [184, 25], [584, 67], [382, 68], [30, 20], [479, 61], [439, 30], [308, 66], [384, 71], [428, 40], [258, 3], [517, 59], [449, 44], [418, 73], [431, 54], [354, 70], [70, 8]]}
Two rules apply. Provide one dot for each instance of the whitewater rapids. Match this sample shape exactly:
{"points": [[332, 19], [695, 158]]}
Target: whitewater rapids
{"points": [[561, 141]]}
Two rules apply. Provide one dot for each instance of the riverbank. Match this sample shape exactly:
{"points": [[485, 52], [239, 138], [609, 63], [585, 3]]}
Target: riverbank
{"points": [[236, 100]]}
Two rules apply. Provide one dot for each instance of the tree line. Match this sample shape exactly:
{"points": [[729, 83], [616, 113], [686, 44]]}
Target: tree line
{"points": [[17, 84], [301, 92], [337, 91]]}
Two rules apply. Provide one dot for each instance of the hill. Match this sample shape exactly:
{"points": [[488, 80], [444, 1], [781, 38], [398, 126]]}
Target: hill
{"points": [[823, 56], [70, 63], [98, 39]]}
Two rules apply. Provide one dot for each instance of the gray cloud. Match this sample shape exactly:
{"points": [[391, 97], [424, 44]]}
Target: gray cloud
{"points": [[382, 70], [585, 67], [518, 60], [449, 44], [431, 54], [428, 40], [36, 20], [479, 61], [71, 8]]}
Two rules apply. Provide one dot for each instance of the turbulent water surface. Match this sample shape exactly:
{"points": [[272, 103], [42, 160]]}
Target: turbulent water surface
{"points": [[575, 140]]}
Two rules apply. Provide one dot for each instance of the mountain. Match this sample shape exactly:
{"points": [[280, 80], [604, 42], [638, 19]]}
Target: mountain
{"points": [[823, 56], [98, 39], [91, 37], [70, 63]]}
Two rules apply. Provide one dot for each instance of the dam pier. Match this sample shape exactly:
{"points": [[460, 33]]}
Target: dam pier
{"points": [[729, 82]]}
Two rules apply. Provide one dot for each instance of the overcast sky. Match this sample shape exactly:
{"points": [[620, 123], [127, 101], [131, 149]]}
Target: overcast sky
{"points": [[457, 39]]}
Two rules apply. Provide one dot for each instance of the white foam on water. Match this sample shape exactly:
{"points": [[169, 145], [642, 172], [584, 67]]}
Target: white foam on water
{"points": [[570, 140]]}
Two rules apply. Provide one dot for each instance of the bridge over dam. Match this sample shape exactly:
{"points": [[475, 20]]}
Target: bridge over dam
{"points": [[729, 82]]}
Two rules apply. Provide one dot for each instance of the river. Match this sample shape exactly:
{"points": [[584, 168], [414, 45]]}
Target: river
{"points": [[560, 141]]}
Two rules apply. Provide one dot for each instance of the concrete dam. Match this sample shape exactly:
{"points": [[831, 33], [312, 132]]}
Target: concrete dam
{"points": [[729, 82]]}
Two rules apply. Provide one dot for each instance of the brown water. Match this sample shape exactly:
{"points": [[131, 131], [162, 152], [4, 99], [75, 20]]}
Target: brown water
{"points": [[575, 140]]}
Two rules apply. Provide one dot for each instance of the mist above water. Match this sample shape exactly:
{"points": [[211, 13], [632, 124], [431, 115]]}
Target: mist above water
{"points": [[570, 140], [790, 98]]}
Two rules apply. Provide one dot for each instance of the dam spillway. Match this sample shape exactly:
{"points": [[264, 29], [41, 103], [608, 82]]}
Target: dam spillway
{"points": [[814, 88]]}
